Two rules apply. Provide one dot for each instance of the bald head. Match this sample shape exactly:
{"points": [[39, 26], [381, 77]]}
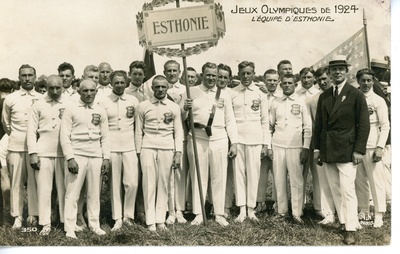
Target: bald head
{"points": [[104, 73], [54, 86], [87, 90]]}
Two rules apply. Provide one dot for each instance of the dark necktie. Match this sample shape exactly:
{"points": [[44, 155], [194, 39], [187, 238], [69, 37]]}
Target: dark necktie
{"points": [[336, 92]]}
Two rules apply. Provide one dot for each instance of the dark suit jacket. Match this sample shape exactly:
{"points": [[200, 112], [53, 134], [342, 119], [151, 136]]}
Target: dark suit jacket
{"points": [[342, 128]]}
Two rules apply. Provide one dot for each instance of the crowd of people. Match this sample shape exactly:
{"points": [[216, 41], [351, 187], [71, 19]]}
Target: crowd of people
{"points": [[66, 134]]}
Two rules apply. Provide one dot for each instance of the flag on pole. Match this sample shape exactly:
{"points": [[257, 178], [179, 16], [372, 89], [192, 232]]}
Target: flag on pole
{"points": [[149, 63], [355, 50]]}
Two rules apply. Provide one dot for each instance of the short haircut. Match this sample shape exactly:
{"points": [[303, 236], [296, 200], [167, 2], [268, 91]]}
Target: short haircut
{"points": [[208, 65], [39, 84], [225, 68], [188, 69], [66, 66], [245, 64], [91, 67], [283, 62], [137, 65], [159, 78], [171, 62], [120, 73], [270, 71], [26, 66], [6, 85], [320, 71], [365, 71], [306, 70], [289, 75]]}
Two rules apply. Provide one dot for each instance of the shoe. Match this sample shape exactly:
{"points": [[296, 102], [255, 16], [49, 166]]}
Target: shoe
{"points": [[197, 221], [171, 219], [80, 221], [141, 217], [98, 231], [180, 218], [71, 234], [162, 227], [240, 218], [298, 220], [32, 221], [127, 221], [349, 237], [252, 216], [227, 213], [261, 207], [151, 227], [221, 220], [17, 222], [327, 220], [319, 213], [79, 228], [378, 223], [45, 230], [117, 225], [280, 216], [358, 225]]}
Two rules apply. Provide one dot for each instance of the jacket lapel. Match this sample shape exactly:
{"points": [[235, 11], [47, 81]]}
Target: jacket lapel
{"points": [[342, 97]]}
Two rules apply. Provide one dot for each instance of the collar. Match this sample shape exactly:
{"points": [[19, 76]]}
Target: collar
{"points": [[176, 85], [204, 88], [104, 87], [154, 100], [115, 97], [290, 97], [25, 92], [340, 86], [47, 98], [70, 90], [135, 88], [82, 104], [369, 94], [251, 87]]}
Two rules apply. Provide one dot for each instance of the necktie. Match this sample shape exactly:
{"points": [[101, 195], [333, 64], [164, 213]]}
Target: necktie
{"points": [[336, 92]]}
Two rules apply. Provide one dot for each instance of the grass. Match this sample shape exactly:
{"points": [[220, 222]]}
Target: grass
{"points": [[269, 231]]}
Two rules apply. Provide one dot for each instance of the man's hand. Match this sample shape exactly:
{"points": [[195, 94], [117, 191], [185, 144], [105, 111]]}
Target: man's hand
{"points": [[105, 166], [176, 162], [357, 158], [232, 151], [34, 161], [304, 156], [187, 104], [270, 154], [377, 155], [73, 166], [317, 158], [264, 151]]}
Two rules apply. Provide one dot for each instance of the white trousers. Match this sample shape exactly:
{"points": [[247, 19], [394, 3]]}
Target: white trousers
{"points": [[177, 185], [156, 169], [341, 180], [212, 156], [370, 177], [20, 172], [327, 203], [51, 168], [266, 168], [90, 174], [247, 174], [387, 163], [124, 181], [288, 161]]}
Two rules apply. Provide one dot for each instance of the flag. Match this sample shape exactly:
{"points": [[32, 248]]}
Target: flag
{"points": [[149, 63], [355, 50]]}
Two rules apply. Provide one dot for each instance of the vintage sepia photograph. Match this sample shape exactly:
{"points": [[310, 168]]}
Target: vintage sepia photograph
{"points": [[185, 123]]}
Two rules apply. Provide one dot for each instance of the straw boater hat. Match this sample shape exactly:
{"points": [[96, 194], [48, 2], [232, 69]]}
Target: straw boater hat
{"points": [[379, 63], [338, 60]]}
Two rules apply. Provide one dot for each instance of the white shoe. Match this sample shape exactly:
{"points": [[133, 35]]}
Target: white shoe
{"points": [[221, 220], [98, 231], [79, 228], [162, 227], [71, 234], [327, 220], [117, 225], [45, 230], [152, 227], [240, 218], [17, 222], [180, 218], [378, 223], [170, 220], [80, 221], [197, 221], [127, 221], [252, 217], [32, 221]]}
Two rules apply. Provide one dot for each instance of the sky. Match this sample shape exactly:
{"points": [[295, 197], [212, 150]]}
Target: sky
{"points": [[45, 33]]}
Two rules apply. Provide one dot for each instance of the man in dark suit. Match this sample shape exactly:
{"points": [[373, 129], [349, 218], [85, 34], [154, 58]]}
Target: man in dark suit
{"points": [[340, 139]]}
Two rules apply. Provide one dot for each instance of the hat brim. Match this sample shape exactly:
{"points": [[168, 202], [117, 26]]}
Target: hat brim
{"points": [[339, 64]]}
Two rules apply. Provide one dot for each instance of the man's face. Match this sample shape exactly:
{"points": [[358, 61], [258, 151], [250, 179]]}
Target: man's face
{"points": [[172, 72], [246, 75], [160, 88], [223, 78], [285, 69], [324, 81], [192, 77], [307, 80], [337, 74], [104, 74], [27, 77], [42, 90], [288, 86], [54, 88], [66, 77], [366, 82], [87, 91], [92, 75], [271, 82], [210, 77], [118, 83], [137, 76]]}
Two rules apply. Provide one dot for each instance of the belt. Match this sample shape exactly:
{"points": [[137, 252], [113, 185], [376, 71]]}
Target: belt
{"points": [[202, 126]]}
